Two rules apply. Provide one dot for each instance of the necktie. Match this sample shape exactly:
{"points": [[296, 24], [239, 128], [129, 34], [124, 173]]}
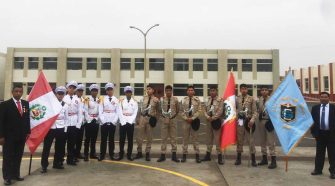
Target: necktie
{"points": [[128, 99], [110, 99], [168, 106], [323, 115], [243, 103], [71, 97], [19, 107], [94, 99], [189, 106], [211, 114]]}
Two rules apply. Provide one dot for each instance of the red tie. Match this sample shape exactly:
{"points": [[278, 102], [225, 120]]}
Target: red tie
{"points": [[19, 107]]}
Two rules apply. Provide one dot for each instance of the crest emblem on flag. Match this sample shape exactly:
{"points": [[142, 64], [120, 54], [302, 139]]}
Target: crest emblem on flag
{"points": [[37, 111], [287, 112]]}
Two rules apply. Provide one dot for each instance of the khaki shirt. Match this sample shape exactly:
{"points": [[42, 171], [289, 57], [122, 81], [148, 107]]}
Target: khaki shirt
{"points": [[185, 107], [261, 108], [174, 107], [154, 103], [250, 104], [214, 111]]}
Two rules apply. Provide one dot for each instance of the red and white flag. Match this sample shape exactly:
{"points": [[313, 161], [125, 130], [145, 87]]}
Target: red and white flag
{"points": [[44, 109], [228, 135]]}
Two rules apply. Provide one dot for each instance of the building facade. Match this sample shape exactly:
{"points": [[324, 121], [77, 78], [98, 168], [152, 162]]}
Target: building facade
{"points": [[177, 67]]}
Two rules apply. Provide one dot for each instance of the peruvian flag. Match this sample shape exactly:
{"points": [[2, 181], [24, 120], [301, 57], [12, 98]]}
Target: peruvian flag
{"points": [[228, 135], [44, 109]]}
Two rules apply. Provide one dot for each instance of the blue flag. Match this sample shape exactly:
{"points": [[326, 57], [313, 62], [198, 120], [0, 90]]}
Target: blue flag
{"points": [[289, 113]]}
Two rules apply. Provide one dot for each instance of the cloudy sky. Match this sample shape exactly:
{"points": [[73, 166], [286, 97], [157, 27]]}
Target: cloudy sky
{"points": [[303, 30]]}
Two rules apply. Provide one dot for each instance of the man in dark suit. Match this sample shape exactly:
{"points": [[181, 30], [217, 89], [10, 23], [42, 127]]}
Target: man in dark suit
{"points": [[14, 130], [323, 130]]}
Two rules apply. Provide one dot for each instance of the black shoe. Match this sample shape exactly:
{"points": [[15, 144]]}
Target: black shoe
{"points": [[19, 179], [72, 163], [130, 158], [332, 176], [273, 163], [207, 157], [147, 156], [43, 170], [183, 160], [264, 160], [220, 159], [162, 158], [197, 158], [101, 158], [174, 157], [76, 160], [111, 157], [7, 182], [93, 156], [138, 156], [80, 156], [120, 156], [253, 160], [238, 159], [314, 173], [86, 158], [58, 166]]}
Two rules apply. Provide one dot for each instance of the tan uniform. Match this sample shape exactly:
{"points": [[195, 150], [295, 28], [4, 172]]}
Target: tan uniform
{"points": [[187, 129], [213, 108], [169, 109], [144, 128], [267, 138], [248, 105]]}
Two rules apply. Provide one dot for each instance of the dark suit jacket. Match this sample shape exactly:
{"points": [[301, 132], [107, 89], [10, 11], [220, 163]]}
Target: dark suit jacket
{"points": [[315, 130], [12, 124]]}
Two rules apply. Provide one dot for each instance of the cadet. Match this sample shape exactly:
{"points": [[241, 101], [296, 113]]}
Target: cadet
{"points": [[148, 120], [169, 110], [57, 132], [127, 114], [213, 111], [92, 124], [266, 129], [80, 132], [74, 120], [108, 114], [191, 108], [247, 114]]}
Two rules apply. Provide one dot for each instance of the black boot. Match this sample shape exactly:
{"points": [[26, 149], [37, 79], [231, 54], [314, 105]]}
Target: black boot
{"points": [[120, 156], [111, 156], [101, 157], [162, 158], [174, 157], [264, 160], [93, 156], [197, 158], [220, 159], [129, 157], [147, 156], [273, 164], [86, 158], [138, 156], [207, 157], [253, 160], [183, 160], [238, 159]]}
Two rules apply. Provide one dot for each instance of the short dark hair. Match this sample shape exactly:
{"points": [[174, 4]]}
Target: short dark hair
{"points": [[168, 87], [17, 85], [215, 87], [261, 87], [243, 85], [190, 86], [151, 86], [321, 93]]}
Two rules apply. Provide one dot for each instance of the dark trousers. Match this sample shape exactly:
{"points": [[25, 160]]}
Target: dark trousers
{"points": [[12, 156], [91, 133], [60, 136], [323, 142], [71, 141], [127, 130], [107, 131], [79, 141]]}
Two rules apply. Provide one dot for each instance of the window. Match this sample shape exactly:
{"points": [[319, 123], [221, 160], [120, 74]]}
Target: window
{"points": [[87, 88], [179, 89], [316, 84], [198, 64], [139, 63], [326, 83], [33, 62], [91, 64], [102, 89], [180, 64], [74, 63], [306, 85], [122, 85], [29, 87], [264, 65], [212, 64], [247, 65], [50, 63], [199, 89], [156, 64], [138, 89], [18, 62], [106, 63], [232, 65], [125, 64]]}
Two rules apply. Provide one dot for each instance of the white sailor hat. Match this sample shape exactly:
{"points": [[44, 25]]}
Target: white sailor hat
{"points": [[94, 86], [81, 87], [61, 89], [72, 83], [109, 85], [128, 88]]}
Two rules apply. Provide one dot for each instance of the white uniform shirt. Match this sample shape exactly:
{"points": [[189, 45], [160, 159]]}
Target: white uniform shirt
{"points": [[61, 121], [91, 109], [128, 111], [108, 110], [75, 110], [83, 110]]}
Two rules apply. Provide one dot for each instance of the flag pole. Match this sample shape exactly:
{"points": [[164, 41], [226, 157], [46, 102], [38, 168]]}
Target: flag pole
{"points": [[31, 158], [286, 162]]}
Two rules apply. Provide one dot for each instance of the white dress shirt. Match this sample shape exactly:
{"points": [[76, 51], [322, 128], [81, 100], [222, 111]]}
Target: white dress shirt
{"points": [[128, 111], [326, 116], [75, 110], [108, 110]]}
